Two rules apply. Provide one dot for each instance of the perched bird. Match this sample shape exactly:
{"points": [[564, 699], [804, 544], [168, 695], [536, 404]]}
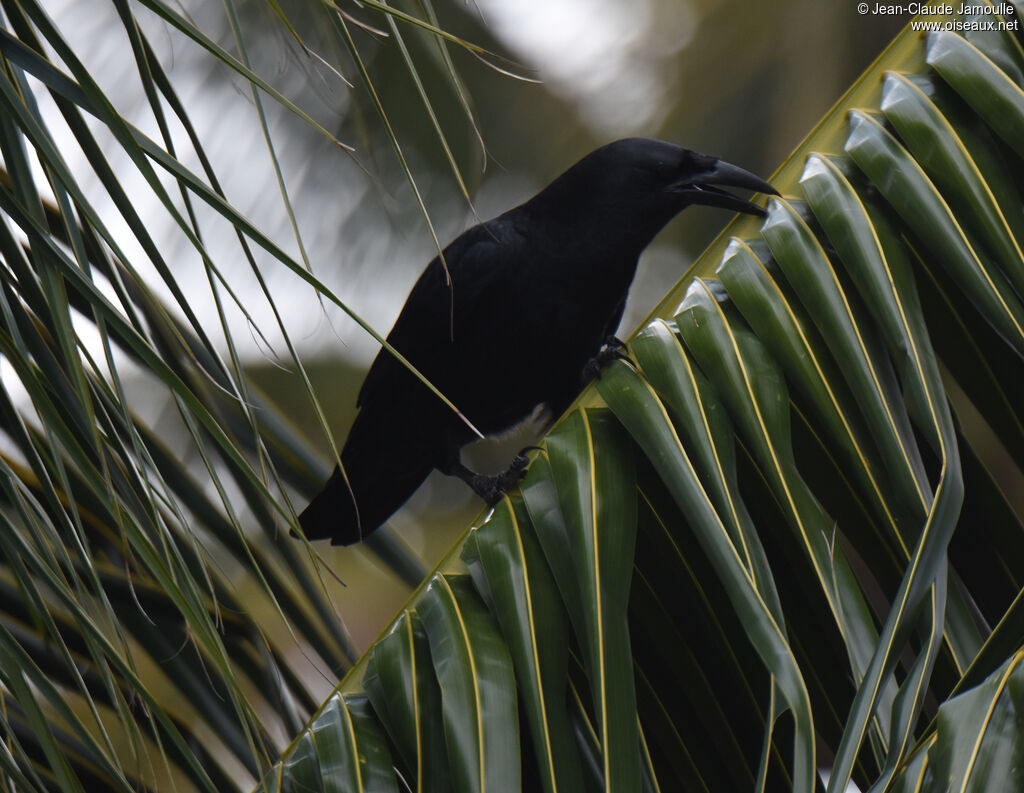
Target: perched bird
{"points": [[509, 320]]}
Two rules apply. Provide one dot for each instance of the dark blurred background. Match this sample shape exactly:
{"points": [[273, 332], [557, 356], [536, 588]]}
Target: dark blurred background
{"points": [[742, 79]]}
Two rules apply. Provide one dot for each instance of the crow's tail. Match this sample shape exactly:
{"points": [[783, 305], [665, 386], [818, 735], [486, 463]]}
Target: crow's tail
{"points": [[333, 513]]}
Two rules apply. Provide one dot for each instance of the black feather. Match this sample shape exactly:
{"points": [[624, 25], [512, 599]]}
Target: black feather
{"points": [[527, 300]]}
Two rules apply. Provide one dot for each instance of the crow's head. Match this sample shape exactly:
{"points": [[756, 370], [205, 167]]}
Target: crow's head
{"points": [[636, 185], [646, 170]]}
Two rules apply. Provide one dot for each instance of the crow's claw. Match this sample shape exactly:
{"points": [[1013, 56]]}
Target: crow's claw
{"points": [[612, 350], [491, 488], [520, 461]]}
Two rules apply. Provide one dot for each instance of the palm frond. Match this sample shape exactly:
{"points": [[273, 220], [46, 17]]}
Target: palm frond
{"points": [[796, 489]]}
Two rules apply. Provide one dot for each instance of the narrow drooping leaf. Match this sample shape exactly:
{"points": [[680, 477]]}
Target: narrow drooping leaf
{"points": [[404, 692], [905, 185], [934, 142], [979, 740], [643, 415], [478, 690], [507, 562], [982, 84], [592, 473]]}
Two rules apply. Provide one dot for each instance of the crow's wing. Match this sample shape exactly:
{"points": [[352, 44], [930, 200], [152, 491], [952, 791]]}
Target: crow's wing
{"points": [[442, 305]]}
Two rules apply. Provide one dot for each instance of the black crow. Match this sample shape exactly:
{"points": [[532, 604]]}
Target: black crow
{"points": [[509, 321]]}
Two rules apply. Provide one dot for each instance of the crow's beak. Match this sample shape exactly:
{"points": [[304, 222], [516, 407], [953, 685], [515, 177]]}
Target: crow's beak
{"points": [[704, 187]]}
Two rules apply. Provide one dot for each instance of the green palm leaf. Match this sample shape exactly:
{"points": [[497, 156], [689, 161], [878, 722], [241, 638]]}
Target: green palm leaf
{"points": [[780, 542], [812, 345]]}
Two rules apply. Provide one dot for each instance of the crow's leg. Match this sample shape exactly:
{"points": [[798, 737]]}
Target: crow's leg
{"points": [[612, 349], [490, 487]]}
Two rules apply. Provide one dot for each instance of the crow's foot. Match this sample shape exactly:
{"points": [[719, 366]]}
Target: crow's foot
{"points": [[520, 461], [612, 349], [491, 487]]}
